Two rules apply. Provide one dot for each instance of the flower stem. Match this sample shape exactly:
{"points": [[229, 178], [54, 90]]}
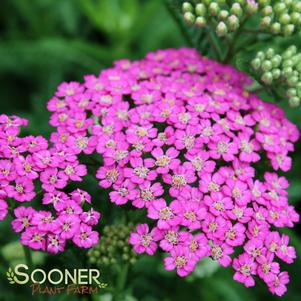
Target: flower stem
{"points": [[28, 257], [121, 282], [231, 50], [179, 21], [213, 44]]}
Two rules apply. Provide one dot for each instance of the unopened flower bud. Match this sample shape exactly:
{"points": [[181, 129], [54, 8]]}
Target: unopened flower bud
{"points": [[276, 73], [187, 7], [296, 18], [200, 22], [265, 22], [270, 53], [279, 7], [288, 29], [276, 28], [288, 63], [223, 14], [292, 80], [267, 78], [285, 19], [252, 7], [233, 23], [261, 55], [221, 29], [294, 102], [256, 63], [287, 72], [214, 8], [276, 60], [267, 65], [189, 17], [236, 9], [267, 11], [291, 92], [200, 9]]}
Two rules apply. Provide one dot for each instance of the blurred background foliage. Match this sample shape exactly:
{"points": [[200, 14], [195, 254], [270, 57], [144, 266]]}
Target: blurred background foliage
{"points": [[45, 42]]}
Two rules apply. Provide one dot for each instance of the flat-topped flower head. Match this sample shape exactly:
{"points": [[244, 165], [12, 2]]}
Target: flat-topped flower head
{"points": [[176, 135]]}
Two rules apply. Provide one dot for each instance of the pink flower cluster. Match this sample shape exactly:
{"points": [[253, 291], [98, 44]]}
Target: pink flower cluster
{"points": [[180, 138], [29, 162]]}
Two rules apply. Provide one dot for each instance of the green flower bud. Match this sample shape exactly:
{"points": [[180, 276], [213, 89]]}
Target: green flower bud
{"points": [[189, 18], [261, 55], [125, 257], [256, 64], [288, 71], [251, 7], [126, 248], [276, 73], [200, 22], [288, 29], [296, 18], [294, 102], [267, 65], [233, 23], [223, 14], [297, 7], [120, 243], [293, 49], [292, 80], [187, 7], [221, 29], [276, 60], [285, 19], [105, 260], [133, 260], [296, 58], [291, 92], [267, 78], [270, 53], [267, 11], [266, 22], [200, 9], [288, 63], [113, 261], [96, 253], [295, 73], [276, 28], [214, 8], [236, 9], [279, 8]]}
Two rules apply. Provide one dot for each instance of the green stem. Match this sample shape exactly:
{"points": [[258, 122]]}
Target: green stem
{"points": [[121, 282], [236, 35], [28, 257], [214, 45], [179, 21]]}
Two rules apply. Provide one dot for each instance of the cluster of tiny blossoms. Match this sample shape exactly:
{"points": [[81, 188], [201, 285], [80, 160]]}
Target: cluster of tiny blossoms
{"points": [[27, 163], [275, 17], [181, 139], [282, 70]]}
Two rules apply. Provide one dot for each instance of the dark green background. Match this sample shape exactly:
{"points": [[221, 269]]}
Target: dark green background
{"points": [[45, 42]]}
